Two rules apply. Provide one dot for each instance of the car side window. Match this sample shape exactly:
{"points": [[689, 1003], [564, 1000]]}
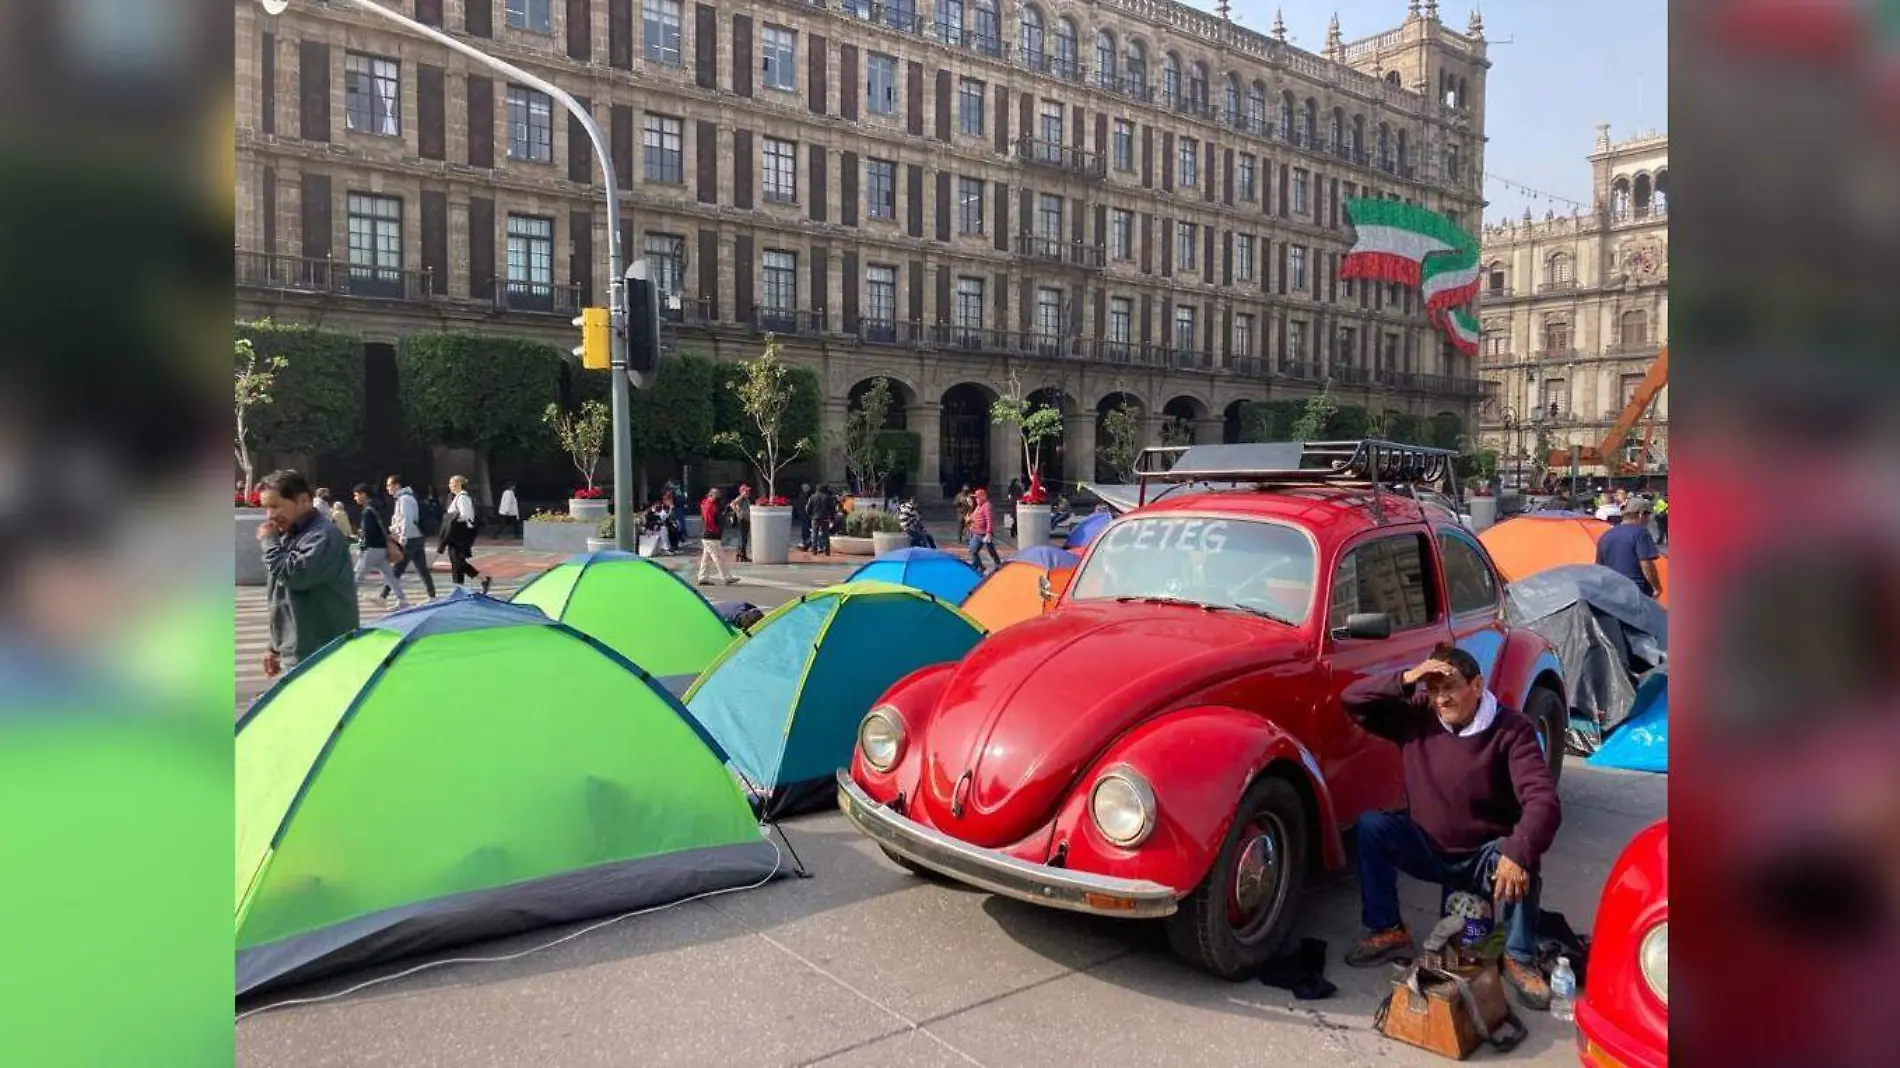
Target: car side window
{"points": [[1468, 578], [1387, 575]]}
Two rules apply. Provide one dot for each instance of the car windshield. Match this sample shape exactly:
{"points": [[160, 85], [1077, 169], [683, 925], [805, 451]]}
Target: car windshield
{"points": [[1264, 568]]}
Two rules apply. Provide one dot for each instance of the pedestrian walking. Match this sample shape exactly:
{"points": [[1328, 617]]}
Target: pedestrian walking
{"points": [[913, 524], [307, 586], [712, 516], [824, 513], [338, 514], [801, 515], [509, 509], [405, 522], [741, 513], [375, 547], [965, 502], [982, 531], [457, 537], [1629, 550]]}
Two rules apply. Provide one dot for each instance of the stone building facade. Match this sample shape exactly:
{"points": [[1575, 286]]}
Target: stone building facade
{"points": [[1575, 309], [1115, 200]]}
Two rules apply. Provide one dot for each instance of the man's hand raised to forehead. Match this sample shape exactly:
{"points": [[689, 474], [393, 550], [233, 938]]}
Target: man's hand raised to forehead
{"points": [[1431, 668]]}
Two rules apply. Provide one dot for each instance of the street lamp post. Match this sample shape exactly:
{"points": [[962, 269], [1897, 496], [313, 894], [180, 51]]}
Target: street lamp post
{"points": [[616, 285]]}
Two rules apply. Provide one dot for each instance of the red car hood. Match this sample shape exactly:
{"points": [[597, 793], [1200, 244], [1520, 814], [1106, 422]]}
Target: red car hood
{"points": [[1030, 706]]}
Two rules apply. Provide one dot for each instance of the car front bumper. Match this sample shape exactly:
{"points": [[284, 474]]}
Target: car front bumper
{"points": [[1000, 873]]}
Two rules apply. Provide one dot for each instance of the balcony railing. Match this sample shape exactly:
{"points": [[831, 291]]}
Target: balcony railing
{"points": [[1449, 385], [1247, 366], [1557, 355], [1557, 285], [1299, 369], [1055, 250], [1058, 156], [1191, 360], [789, 321], [1496, 293], [1252, 124], [538, 297], [1636, 347], [1347, 374], [302, 274]]}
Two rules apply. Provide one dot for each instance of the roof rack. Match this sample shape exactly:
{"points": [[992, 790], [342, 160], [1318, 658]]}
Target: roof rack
{"points": [[1369, 462]]}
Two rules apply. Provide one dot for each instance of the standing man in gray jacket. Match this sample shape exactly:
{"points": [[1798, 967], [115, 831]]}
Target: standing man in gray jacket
{"points": [[405, 525], [309, 585]]}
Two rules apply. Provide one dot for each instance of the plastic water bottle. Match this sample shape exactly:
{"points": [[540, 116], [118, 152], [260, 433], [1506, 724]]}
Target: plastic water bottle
{"points": [[1563, 991]]}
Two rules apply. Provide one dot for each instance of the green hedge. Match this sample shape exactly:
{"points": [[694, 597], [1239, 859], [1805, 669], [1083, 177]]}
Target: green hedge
{"points": [[673, 416], [478, 392], [317, 401], [906, 448]]}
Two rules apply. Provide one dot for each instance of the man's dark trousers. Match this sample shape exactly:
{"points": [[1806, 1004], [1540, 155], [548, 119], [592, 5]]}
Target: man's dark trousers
{"points": [[1390, 843], [413, 551]]}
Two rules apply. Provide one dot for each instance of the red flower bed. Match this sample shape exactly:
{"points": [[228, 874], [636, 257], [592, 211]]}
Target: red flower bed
{"points": [[251, 501], [589, 494], [775, 502]]}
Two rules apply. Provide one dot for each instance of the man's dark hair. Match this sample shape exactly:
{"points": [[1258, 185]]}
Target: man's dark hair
{"points": [[287, 484], [397, 479], [1465, 663], [362, 488]]}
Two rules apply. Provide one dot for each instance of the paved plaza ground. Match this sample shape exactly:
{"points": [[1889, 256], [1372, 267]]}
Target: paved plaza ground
{"points": [[863, 964]]}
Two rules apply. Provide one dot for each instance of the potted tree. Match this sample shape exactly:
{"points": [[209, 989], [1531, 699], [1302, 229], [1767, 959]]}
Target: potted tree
{"points": [[583, 434], [764, 391], [1123, 448], [866, 450], [255, 376], [1037, 425]]}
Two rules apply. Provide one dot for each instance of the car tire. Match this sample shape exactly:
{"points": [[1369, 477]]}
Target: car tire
{"points": [[1203, 930], [1551, 720]]}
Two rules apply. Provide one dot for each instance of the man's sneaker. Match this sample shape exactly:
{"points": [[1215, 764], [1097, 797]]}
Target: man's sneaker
{"points": [[1394, 944], [1532, 989], [705, 582], [485, 581], [731, 579]]}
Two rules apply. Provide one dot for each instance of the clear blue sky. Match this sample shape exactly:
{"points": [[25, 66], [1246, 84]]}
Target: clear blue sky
{"points": [[1569, 66]]}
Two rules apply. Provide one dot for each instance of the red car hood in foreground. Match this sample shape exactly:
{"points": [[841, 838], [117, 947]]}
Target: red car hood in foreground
{"points": [[1029, 707]]}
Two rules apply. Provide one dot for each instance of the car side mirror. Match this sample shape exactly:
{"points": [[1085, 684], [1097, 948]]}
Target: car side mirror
{"points": [[1367, 626]]}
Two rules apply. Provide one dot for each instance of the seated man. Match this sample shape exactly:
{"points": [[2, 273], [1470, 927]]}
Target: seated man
{"points": [[1483, 809]]}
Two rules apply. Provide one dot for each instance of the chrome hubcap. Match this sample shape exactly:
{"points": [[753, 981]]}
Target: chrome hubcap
{"points": [[1256, 873]]}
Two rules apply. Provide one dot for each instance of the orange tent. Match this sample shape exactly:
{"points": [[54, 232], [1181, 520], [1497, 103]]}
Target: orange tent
{"points": [[1013, 593], [1526, 544]]}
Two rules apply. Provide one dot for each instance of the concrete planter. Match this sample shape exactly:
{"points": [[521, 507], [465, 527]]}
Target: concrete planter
{"points": [[545, 537], [1484, 512], [1032, 525], [588, 511], [600, 545], [250, 556], [771, 534], [885, 543], [695, 526], [846, 545]]}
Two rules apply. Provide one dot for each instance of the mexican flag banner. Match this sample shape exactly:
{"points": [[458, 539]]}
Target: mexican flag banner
{"points": [[1414, 246]]}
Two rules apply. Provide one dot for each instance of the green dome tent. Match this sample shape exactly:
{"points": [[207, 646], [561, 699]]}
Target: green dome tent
{"points": [[463, 770], [785, 701], [638, 608]]}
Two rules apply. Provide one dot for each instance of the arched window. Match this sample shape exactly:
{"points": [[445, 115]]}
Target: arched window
{"points": [[1494, 278], [1138, 68], [1197, 83], [1233, 100], [1171, 79], [1336, 131], [1065, 47], [1661, 203], [1385, 147], [1105, 56], [1392, 76], [1286, 115], [1640, 196], [1620, 199], [1558, 270], [1032, 37], [1556, 334], [1633, 329], [988, 30], [1309, 123], [1257, 107]]}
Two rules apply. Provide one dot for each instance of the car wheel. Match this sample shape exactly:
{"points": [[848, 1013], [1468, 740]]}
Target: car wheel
{"points": [[1237, 918], [1551, 720]]}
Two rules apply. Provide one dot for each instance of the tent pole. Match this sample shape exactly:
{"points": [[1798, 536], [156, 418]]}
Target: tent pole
{"points": [[800, 865]]}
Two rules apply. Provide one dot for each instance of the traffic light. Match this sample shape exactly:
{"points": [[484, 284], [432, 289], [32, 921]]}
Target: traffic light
{"points": [[643, 324], [596, 347]]}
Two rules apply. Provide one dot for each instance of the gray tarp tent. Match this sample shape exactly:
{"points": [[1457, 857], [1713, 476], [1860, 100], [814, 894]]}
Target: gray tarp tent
{"points": [[1606, 632]]}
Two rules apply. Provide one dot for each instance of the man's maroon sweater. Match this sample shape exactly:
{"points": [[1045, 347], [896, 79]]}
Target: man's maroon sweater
{"points": [[1464, 792]]}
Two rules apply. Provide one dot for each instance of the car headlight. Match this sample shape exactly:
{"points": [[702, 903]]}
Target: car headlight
{"points": [[1653, 957], [881, 738], [1123, 807]]}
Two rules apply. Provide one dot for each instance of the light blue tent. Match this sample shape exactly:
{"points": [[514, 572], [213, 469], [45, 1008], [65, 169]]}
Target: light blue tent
{"points": [[785, 701], [943, 575], [1047, 557], [1641, 742], [1085, 531]]}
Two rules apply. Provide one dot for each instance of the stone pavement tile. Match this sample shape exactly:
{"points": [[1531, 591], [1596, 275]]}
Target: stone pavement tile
{"points": [[926, 948], [683, 987], [911, 1049]]}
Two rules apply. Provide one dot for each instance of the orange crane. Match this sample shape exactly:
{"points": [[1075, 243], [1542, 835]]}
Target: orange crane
{"points": [[1609, 451]]}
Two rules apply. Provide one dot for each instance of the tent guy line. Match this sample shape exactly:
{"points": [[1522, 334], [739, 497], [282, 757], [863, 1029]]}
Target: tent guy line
{"points": [[778, 858]]}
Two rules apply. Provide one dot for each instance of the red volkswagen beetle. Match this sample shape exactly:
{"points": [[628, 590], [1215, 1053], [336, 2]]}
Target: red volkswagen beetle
{"points": [[1168, 742], [1623, 1018]]}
